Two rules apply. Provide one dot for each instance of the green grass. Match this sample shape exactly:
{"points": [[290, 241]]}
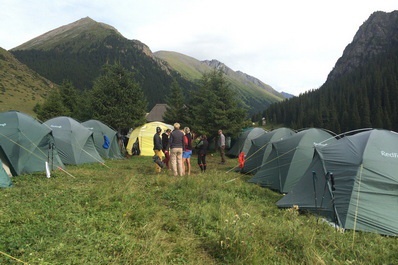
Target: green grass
{"points": [[131, 215]]}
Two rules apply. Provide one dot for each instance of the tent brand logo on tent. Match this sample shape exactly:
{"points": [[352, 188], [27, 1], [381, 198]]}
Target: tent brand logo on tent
{"points": [[91, 129], [319, 144], [392, 155], [56, 126], [3, 124]]}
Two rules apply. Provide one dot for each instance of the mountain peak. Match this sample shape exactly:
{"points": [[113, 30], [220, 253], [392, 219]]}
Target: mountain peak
{"points": [[83, 28], [243, 77], [86, 20], [375, 36], [218, 65], [255, 94]]}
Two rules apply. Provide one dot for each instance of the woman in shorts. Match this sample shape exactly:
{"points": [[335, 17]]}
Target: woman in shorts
{"points": [[187, 152]]}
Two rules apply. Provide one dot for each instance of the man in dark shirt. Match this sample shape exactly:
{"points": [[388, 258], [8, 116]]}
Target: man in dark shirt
{"points": [[157, 147], [176, 145], [202, 146], [165, 143]]}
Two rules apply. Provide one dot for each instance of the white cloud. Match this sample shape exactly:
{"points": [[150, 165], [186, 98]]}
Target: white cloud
{"points": [[291, 45]]}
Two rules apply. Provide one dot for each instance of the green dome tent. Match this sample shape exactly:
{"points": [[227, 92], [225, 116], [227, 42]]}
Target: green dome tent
{"points": [[99, 131], [74, 142], [289, 159], [261, 148], [364, 168], [26, 144], [5, 180], [244, 142]]}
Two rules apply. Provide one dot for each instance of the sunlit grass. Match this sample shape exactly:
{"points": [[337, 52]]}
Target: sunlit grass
{"points": [[129, 214]]}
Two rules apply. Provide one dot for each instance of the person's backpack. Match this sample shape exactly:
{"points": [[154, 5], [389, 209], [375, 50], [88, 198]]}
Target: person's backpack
{"points": [[157, 160], [136, 148]]}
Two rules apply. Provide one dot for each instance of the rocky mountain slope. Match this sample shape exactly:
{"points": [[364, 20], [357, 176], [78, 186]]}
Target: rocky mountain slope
{"points": [[287, 95], [251, 90], [77, 52], [377, 35], [362, 89], [243, 77]]}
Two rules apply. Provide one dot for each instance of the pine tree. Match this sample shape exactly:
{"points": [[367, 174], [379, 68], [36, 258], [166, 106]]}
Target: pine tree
{"points": [[52, 107], [117, 100], [214, 107], [83, 106], [69, 96], [176, 111], [345, 122], [355, 119], [365, 113]]}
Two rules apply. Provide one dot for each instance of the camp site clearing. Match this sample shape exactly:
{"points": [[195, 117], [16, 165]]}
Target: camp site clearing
{"points": [[125, 213]]}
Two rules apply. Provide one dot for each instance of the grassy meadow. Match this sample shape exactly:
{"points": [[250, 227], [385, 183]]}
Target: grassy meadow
{"points": [[128, 214]]}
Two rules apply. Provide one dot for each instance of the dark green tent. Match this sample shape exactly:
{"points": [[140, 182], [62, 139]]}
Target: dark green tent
{"points": [[261, 148], [289, 159], [112, 150], [364, 167], [5, 180], [26, 144], [244, 142], [73, 141]]}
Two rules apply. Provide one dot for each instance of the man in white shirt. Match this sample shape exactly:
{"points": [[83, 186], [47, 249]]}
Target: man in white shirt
{"points": [[221, 144]]}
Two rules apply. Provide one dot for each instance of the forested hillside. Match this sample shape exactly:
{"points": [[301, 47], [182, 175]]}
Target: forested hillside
{"points": [[255, 94], [78, 51], [362, 89], [366, 97]]}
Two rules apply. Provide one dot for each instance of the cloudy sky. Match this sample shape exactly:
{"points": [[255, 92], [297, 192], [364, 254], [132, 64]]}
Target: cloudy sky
{"points": [[289, 44]]}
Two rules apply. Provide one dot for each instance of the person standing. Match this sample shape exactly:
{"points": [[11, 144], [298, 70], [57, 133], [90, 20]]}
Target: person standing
{"points": [[187, 153], [221, 145], [165, 143], [202, 146], [176, 145], [157, 147]]}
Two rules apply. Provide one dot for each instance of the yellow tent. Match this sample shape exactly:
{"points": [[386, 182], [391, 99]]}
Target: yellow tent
{"points": [[145, 135]]}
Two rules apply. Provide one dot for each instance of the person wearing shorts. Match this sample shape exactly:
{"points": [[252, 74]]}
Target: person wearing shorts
{"points": [[187, 153]]}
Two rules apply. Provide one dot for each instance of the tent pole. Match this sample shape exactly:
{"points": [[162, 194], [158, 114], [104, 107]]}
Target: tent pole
{"points": [[357, 204], [329, 176], [48, 153], [52, 155], [324, 191], [313, 183]]}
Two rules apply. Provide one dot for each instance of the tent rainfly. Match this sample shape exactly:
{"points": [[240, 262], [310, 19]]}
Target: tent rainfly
{"points": [[261, 148], [289, 159], [26, 144], [144, 135], [354, 182], [244, 142], [100, 130], [74, 142]]}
